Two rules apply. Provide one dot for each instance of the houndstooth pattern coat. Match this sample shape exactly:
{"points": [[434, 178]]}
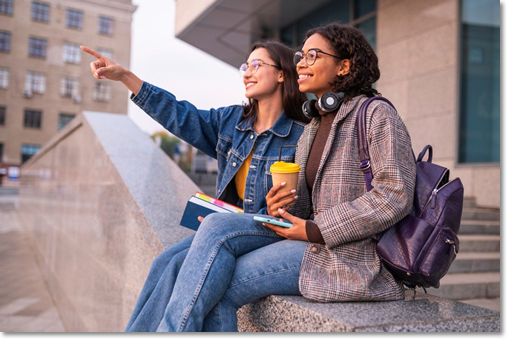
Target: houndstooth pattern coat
{"points": [[348, 268]]}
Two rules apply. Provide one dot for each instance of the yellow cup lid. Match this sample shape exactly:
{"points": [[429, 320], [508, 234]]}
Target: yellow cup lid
{"points": [[284, 167]]}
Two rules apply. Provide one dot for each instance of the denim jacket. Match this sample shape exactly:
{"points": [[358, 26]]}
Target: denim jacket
{"points": [[224, 135]]}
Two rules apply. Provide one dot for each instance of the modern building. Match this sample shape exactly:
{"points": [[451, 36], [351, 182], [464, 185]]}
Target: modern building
{"points": [[44, 76], [439, 61]]}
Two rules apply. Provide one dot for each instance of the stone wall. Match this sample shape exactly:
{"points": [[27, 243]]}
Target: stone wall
{"points": [[98, 203]]}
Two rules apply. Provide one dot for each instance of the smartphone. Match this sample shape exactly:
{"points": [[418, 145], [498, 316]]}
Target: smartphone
{"points": [[273, 221]]}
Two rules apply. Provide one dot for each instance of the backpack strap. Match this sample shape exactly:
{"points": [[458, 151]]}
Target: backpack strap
{"points": [[362, 141]]}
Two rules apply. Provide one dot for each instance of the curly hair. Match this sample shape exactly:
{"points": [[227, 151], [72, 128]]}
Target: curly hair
{"points": [[349, 43]]}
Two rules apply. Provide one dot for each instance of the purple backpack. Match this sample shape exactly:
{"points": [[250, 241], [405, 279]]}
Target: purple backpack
{"points": [[420, 248]]}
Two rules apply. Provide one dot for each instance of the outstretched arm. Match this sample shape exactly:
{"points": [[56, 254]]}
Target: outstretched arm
{"points": [[105, 68]]}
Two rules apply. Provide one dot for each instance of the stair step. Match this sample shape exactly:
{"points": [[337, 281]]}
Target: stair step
{"points": [[488, 303], [462, 286], [473, 262], [481, 214], [479, 242], [479, 227]]}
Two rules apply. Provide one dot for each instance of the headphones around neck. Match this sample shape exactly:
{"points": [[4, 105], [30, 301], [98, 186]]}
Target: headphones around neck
{"points": [[329, 102]]}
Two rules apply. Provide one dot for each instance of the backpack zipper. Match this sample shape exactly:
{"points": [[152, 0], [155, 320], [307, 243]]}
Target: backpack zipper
{"points": [[435, 192]]}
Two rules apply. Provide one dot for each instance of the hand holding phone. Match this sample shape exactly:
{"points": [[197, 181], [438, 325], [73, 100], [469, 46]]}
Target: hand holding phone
{"points": [[273, 221]]}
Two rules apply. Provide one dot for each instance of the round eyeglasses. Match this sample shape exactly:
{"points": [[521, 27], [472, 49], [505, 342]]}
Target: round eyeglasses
{"points": [[254, 66], [310, 57]]}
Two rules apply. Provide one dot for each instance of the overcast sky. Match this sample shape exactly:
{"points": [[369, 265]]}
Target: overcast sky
{"points": [[167, 62]]}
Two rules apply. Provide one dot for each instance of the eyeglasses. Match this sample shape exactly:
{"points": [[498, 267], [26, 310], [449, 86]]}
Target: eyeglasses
{"points": [[254, 66], [310, 57]]}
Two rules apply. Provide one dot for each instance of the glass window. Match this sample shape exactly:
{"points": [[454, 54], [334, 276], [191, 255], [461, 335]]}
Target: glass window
{"points": [[1, 152], [64, 119], [101, 92], [35, 83], [69, 87], [28, 151], [106, 25], [479, 125], [6, 8], [32, 119], [37, 47], [363, 8], [5, 42], [4, 78], [40, 12], [2, 117], [74, 19], [71, 53]]}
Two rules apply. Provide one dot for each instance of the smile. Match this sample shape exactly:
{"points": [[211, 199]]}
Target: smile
{"points": [[250, 84]]}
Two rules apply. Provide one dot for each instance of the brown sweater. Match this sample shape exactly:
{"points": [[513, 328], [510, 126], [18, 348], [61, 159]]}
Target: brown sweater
{"points": [[313, 161]]}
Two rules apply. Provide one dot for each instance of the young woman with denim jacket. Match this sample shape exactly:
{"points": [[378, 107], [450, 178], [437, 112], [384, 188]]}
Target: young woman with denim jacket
{"points": [[329, 254], [245, 140]]}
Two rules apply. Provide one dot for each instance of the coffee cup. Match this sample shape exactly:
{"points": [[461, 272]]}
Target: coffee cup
{"points": [[285, 172]]}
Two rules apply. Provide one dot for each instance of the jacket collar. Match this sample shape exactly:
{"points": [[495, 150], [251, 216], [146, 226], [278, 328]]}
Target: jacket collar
{"points": [[281, 128]]}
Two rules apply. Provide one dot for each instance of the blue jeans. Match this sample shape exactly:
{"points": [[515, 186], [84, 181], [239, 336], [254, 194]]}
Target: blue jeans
{"points": [[232, 261], [158, 287]]}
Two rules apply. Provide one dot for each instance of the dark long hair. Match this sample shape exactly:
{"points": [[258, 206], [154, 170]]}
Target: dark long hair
{"points": [[349, 43], [292, 98]]}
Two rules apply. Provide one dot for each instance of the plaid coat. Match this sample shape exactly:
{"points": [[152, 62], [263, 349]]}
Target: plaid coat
{"points": [[348, 268]]}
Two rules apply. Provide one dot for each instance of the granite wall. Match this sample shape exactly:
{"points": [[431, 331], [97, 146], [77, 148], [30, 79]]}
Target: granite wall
{"points": [[99, 202]]}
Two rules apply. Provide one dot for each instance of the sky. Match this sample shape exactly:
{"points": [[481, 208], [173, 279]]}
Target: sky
{"points": [[159, 58]]}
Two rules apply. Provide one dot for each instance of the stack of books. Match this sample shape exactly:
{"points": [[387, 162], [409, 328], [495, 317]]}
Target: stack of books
{"points": [[201, 204]]}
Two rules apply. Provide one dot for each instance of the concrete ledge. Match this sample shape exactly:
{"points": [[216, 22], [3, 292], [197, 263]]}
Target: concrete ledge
{"points": [[425, 313]]}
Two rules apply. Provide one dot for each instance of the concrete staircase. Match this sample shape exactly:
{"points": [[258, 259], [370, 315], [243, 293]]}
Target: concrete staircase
{"points": [[474, 276]]}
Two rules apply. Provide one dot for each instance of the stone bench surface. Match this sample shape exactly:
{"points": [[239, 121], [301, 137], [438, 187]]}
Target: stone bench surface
{"points": [[424, 313]]}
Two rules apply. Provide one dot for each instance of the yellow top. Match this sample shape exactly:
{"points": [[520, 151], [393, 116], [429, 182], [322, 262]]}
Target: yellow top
{"points": [[284, 167], [241, 176]]}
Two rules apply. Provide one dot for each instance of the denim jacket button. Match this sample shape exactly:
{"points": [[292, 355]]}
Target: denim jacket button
{"points": [[234, 164], [251, 136]]}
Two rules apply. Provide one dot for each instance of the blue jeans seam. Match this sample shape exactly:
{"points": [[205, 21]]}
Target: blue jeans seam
{"points": [[264, 275], [207, 269]]}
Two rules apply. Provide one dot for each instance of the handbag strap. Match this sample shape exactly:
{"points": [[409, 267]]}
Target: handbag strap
{"points": [[362, 141]]}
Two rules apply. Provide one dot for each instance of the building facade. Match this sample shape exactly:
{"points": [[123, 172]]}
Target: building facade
{"points": [[44, 75], [439, 61]]}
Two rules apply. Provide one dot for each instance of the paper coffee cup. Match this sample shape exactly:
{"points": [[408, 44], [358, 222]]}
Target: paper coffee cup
{"points": [[285, 172]]}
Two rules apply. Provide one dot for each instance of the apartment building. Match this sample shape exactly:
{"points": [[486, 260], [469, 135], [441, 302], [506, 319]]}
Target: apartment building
{"points": [[439, 62], [44, 76]]}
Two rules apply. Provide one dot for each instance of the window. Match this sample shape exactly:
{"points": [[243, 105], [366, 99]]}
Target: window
{"points": [[6, 8], [35, 83], [5, 42], [106, 25], [105, 52], [40, 12], [74, 19], [32, 119], [101, 92], [71, 53], [2, 116], [360, 13], [1, 152], [28, 151], [37, 47], [64, 119], [69, 87], [4, 78], [479, 125], [364, 18]]}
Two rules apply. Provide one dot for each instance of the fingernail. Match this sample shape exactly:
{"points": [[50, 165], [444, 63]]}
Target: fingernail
{"points": [[281, 211], [293, 191], [283, 184], [296, 197]]}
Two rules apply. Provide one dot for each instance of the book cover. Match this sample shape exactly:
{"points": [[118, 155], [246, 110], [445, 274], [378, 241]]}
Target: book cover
{"points": [[202, 205]]}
